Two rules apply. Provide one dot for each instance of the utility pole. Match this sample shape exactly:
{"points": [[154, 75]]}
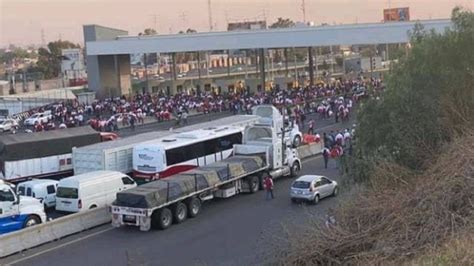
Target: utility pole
{"points": [[303, 8], [43, 39], [155, 21], [209, 11]]}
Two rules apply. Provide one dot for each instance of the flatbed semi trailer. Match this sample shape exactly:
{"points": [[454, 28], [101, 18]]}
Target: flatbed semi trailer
{"points": [[160, 203]]}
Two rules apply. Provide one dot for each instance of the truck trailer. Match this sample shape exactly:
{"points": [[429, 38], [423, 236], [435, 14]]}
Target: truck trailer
{"points": [[118, 155], [41, 154], [160, 203]]}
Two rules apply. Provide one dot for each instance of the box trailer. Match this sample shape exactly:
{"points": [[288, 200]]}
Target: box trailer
{"points": [[24, 156], [118, 155]]}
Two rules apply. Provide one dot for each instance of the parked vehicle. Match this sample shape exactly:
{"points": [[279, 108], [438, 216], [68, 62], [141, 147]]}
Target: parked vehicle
{"points": [[312, 188], [38, 118], [160, 203], [91, 190], [118, 155], [16, 211], [8, 125], [42, 154], [42, 189]]}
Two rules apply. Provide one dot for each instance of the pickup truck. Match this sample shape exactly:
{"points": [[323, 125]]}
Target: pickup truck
{"points": [[18, 212]]}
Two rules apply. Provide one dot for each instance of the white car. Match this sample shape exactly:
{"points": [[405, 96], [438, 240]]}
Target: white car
{"points": [[38, 118], [8, 125], [312, 188]]}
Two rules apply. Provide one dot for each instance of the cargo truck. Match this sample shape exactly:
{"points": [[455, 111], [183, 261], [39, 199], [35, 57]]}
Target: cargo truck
{"points": [[42, 154], [118, 155], [160, 203]]}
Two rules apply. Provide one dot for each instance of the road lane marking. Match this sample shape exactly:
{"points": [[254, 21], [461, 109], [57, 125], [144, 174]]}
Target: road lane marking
{"points": [[60, 246]]}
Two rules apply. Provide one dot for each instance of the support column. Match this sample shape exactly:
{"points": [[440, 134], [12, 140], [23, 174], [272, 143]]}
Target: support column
{"points": [[173, 67], [117, 75], [256, 62], [311, 66], [285, 54], [145, 58], [198, 87], [228, 62], [262, 68]]}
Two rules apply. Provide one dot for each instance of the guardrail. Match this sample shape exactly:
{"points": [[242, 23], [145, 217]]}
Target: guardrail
{"points": [[27, 238], [54, 230]]}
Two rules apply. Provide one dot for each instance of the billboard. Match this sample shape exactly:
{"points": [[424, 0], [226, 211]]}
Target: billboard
{"points": [[396, 14]]}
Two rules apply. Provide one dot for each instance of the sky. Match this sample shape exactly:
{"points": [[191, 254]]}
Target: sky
{"points": [[24, 22]]}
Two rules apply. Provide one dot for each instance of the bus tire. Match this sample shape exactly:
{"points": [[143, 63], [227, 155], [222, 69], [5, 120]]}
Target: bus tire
{"points": [[253, 183], [180, 212], [194, 207], [162, 218]]}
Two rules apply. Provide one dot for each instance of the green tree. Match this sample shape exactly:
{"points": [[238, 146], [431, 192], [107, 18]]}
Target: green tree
{"points": [[49, 59], [429, 98], [149, 59], [282, 23]]}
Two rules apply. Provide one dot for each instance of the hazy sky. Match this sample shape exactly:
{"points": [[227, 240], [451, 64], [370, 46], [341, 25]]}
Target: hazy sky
{"points": [[22, 21]]}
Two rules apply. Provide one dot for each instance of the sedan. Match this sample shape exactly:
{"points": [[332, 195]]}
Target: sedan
{"points": [[312, 188], [8, 125]]}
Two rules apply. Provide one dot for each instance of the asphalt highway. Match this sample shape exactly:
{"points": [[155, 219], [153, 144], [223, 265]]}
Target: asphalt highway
{"points": [[235, 231]]}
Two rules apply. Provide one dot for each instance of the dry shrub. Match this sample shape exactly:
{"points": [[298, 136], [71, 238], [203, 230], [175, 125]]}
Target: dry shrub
{"points": [[458, 250], [400, 216]]}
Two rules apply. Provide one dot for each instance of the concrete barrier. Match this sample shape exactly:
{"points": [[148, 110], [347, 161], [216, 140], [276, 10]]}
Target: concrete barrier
{"points": [[309, 150], [40, 234]]}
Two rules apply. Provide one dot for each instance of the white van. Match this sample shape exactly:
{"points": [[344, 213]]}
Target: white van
{"points": [[90, 190], [42, 189]]}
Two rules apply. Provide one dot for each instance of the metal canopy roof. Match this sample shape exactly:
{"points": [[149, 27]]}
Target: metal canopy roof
{"points": [[371, 33]]}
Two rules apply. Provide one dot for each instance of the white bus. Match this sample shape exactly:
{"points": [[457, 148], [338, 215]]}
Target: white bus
{"points": [[184, 151]]}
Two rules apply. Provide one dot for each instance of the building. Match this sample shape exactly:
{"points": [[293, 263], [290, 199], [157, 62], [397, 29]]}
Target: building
{"points": [[72, 65], [247, 25]]}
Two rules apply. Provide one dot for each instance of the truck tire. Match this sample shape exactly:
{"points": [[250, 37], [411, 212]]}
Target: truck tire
{"points": [[253, 183], [31, 221], [162, 218], [296, 142], [180, 212], [295, 169], [194, 207]]}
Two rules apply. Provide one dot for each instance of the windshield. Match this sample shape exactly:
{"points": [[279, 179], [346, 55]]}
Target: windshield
{"points": [[34, 116], [67, 193], [301, 184]]}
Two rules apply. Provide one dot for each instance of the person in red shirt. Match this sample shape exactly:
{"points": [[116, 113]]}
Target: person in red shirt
{"points": [[269, 187]]}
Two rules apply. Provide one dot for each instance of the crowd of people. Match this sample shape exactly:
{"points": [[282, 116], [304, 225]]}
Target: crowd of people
{"points": [[334, 98]]}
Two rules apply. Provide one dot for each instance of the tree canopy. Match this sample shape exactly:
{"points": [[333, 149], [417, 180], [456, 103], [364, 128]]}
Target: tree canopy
{"points": [[429, 97], [49, 59], [282, 23]]}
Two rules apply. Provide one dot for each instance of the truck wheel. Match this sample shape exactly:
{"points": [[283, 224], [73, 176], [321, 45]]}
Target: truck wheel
{"points": [[31, 221], [180, 212], [194, 207], [162, 218], [295, 168], [297, 142], [253, 183]]}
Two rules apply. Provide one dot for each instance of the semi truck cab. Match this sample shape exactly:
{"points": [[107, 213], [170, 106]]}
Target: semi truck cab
{"points": [[17, 212]]}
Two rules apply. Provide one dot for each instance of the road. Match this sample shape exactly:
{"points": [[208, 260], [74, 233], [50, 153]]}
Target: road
{"points": [[231, 231]]}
